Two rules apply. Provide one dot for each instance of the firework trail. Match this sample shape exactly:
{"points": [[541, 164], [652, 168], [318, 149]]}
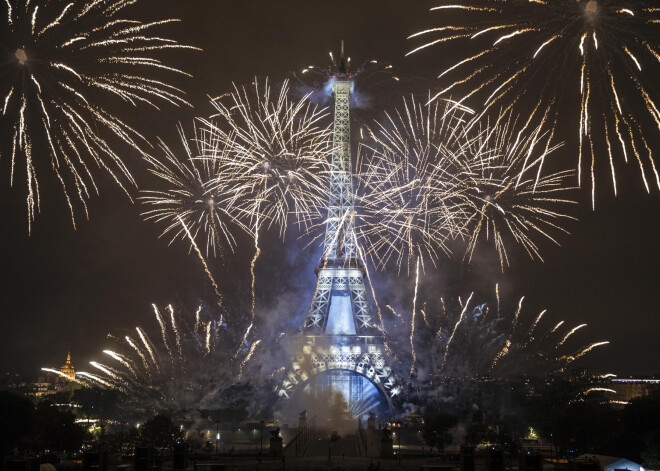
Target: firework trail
{"points": [[158, 377], [243, 340], [517, 314], [163, 328], [121, 359], [62, 375], [453, 332], [602, 54], [571, 332], [147, 346], [177, 335], [60, 61], [607, 375], [274, 153], [381, 326], [410, 181], [412, 323], [508, 196], [533, 327], [590, 390], [247, 357], [189, 197], [94, 379], [257, 252], [104, 369], [201, 257], [583, 352]]}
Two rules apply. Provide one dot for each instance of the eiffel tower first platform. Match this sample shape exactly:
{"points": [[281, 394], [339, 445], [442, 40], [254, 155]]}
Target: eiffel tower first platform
{"points": [[341, 348]]}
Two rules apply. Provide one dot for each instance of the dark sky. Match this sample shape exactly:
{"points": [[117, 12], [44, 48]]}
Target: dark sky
{"points": [[62, 289]]}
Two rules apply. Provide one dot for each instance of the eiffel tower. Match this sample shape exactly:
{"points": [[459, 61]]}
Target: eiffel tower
{"points": [[340, 346]]}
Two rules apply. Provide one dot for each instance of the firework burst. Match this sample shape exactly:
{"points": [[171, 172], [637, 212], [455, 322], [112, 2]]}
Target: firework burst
{"points": [[507, 194], [410, 182], [602, 54], [431, 174], [204, 209], [273, 153], [60, 62]]}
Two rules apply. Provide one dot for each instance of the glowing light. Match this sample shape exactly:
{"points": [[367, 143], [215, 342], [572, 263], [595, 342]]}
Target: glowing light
{"points": [[590, 390]]}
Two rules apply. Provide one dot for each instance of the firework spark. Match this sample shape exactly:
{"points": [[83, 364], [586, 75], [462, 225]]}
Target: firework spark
{"points": [[602, 54], [60, 61]]}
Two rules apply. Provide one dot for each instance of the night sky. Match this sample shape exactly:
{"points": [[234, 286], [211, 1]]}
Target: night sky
{"points": [[65, 290]]}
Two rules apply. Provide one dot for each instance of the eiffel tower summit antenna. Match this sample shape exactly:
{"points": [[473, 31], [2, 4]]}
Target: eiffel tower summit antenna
{"points": [[340, 346], [342, 61]]}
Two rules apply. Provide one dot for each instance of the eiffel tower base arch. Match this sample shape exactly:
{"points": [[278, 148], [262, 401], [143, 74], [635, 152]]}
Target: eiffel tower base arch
{"points": [[354, 366]]}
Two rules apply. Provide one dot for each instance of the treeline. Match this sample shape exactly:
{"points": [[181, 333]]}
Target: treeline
{"points": [[107, 420], [561, 414], [38, 429]]}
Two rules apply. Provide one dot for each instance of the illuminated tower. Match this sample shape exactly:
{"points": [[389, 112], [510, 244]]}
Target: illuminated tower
{"points": [[341, 348], [67, 368]]}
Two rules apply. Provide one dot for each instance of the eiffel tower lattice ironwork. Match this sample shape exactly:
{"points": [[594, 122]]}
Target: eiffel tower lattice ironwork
{"points": [[339, 332]]}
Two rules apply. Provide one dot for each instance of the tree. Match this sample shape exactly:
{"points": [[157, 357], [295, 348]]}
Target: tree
{"points": [[478, 433], [651, 455], [549, 403], [586, 426], [97, 402], [55, 430], [160, 432], [16, 418], [640, 429], [436, 428]]}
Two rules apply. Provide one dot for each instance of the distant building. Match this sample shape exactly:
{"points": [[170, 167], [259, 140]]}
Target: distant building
{"points": [[54, 380], [12, 381], [42, 387], [68, 371], [628, 389]]}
